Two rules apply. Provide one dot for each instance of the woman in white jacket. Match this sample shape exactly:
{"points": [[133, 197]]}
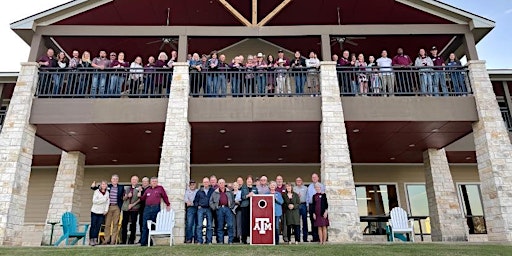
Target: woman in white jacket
{"points": [[100, 203]]}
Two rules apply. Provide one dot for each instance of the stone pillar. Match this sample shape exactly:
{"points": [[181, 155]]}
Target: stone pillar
{"points": [[446, 219], [494, 156], [66, 192], [336, 166], [174, 171], [16, 148]]}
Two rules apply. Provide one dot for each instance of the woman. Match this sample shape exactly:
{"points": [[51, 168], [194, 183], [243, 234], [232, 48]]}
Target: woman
{"points": [[278, 209], [83, 68], [260, 66], [271, 64], [161, 70], [361, 77], [136, 74], [58, 78], [319, 212], [374, 75], [100, 204], [424, 64], [457, 77], [250, 79], [298, 65], [292, 215], [247, 191], [149, 80], [237, 218]]}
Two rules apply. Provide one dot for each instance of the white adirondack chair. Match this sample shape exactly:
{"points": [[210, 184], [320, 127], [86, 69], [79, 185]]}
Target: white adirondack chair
{"points": [[163, 226], [400, 223]]}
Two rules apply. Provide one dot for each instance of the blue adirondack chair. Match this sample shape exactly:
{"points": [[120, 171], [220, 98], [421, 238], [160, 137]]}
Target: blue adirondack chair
{"points": [[70, 228]]}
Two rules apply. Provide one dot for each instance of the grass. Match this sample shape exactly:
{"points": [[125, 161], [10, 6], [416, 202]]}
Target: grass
{"points": [[430, 249]]}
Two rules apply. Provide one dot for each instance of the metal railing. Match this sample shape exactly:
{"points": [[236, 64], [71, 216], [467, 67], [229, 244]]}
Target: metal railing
{"points": [[376, 225], [251, 83], [3, 113], [410, 81], [107, 83], [507, 118]]}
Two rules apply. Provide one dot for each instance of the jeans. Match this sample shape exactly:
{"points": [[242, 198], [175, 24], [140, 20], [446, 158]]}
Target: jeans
{"points": [[82, 84], [261, 80], [221, 84], [57, 79], [116, 82], [276, 228], [150, 212], [235, 85], [459, 86], [102, 80], [300, 80], [191, 224], [96, 221], [426, 83], [224, 216], [132, 217], [439, 79], [211, 85], [201, 214], [303, 211]]}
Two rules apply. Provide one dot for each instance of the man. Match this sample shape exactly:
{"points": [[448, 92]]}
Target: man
{"points": [[47, 61], [202, 202], [116, 193], [191, 211], [344, 76], [130, 210], [313, 77], [262, 186], [309, 200], [438, 77], [302, 191], [280, 55], [222, 201], [222, 67], [402, 63], [214, 185], [153, 196], [99, 79], [281, 188], [145, 185], [388, 79], [170, 64]]}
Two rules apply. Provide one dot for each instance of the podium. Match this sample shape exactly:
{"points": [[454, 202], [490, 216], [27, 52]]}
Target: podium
{"points": [[262, 220]]}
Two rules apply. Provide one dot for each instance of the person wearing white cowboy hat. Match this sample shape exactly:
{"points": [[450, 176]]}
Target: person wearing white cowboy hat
{"points": [[280, 76]]}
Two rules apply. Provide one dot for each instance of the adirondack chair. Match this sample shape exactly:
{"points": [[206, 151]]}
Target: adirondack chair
{"points": [[70, 228], [101, 235], [400, 223], [163, 226]]}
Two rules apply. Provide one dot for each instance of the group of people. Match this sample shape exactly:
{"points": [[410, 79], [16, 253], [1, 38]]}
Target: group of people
{"points": [[227, 206], [398, 74], [136, 202]]}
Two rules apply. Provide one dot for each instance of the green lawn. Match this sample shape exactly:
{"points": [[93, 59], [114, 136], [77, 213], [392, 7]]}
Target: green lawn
{"points": [[431, 249]]}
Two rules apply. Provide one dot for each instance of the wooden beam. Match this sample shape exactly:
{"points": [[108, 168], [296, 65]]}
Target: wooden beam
{"points": [[469, 44], [235, 13], [254, 12], [273, 13]]}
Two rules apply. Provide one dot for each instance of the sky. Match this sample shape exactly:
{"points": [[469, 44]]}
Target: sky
{"points": [[491, 48]]}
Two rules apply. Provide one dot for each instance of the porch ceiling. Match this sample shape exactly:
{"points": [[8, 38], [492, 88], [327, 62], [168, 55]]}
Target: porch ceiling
{"points": [[255, 142]]}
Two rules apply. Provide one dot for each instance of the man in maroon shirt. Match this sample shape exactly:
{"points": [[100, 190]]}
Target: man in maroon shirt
{"points": [[221, 202], [401, 63], [438, 77], [152, 196]]}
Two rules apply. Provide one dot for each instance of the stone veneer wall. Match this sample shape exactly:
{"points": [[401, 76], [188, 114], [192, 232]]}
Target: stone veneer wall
{"points": [[446, 219], [66, 192], [16, 149], [336, 166], [174, 171], [494, 156]]}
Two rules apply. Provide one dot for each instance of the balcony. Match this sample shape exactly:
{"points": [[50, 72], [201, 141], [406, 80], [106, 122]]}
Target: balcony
{"points": [[507, 118]]}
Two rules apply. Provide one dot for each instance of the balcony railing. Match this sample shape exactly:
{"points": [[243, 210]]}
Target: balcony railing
{"points": [[507, 118], [251, 83], [108, 83], [410, 81], [3, 112]]}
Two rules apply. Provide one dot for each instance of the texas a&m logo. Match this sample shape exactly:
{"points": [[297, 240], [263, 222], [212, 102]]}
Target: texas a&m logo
{"points": [[262, 219], [262, 225]]}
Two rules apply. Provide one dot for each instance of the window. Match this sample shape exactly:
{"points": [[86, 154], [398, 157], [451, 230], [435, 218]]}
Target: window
{"points": [[418, 207], [473, 209], [374, 203]]}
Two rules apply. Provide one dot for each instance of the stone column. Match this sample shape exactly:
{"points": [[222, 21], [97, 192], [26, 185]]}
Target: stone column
{"points": [[446, 219], [494, 156], [336, 166], [16, 148], [174, 171], [66, 192]]}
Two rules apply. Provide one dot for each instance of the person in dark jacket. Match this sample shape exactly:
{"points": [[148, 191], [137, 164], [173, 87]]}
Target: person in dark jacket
{"points": [[248, 190], [319, 213], [202, 202], [222, 201], [114, 210]]}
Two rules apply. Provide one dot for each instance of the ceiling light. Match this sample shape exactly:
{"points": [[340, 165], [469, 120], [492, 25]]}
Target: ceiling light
{"points": [[222, 131], [95, 148], [229, 159], [280, 159], [284, 146], [148, 131], [71, 133], [392, 158], [114, 160], [435, 130], [289, 130], [412, 145], [355, 130], [468, 158], [226, 146]]}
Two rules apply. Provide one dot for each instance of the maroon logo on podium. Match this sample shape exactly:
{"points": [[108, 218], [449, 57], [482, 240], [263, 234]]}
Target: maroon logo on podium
{"points": [[262, 220]]}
